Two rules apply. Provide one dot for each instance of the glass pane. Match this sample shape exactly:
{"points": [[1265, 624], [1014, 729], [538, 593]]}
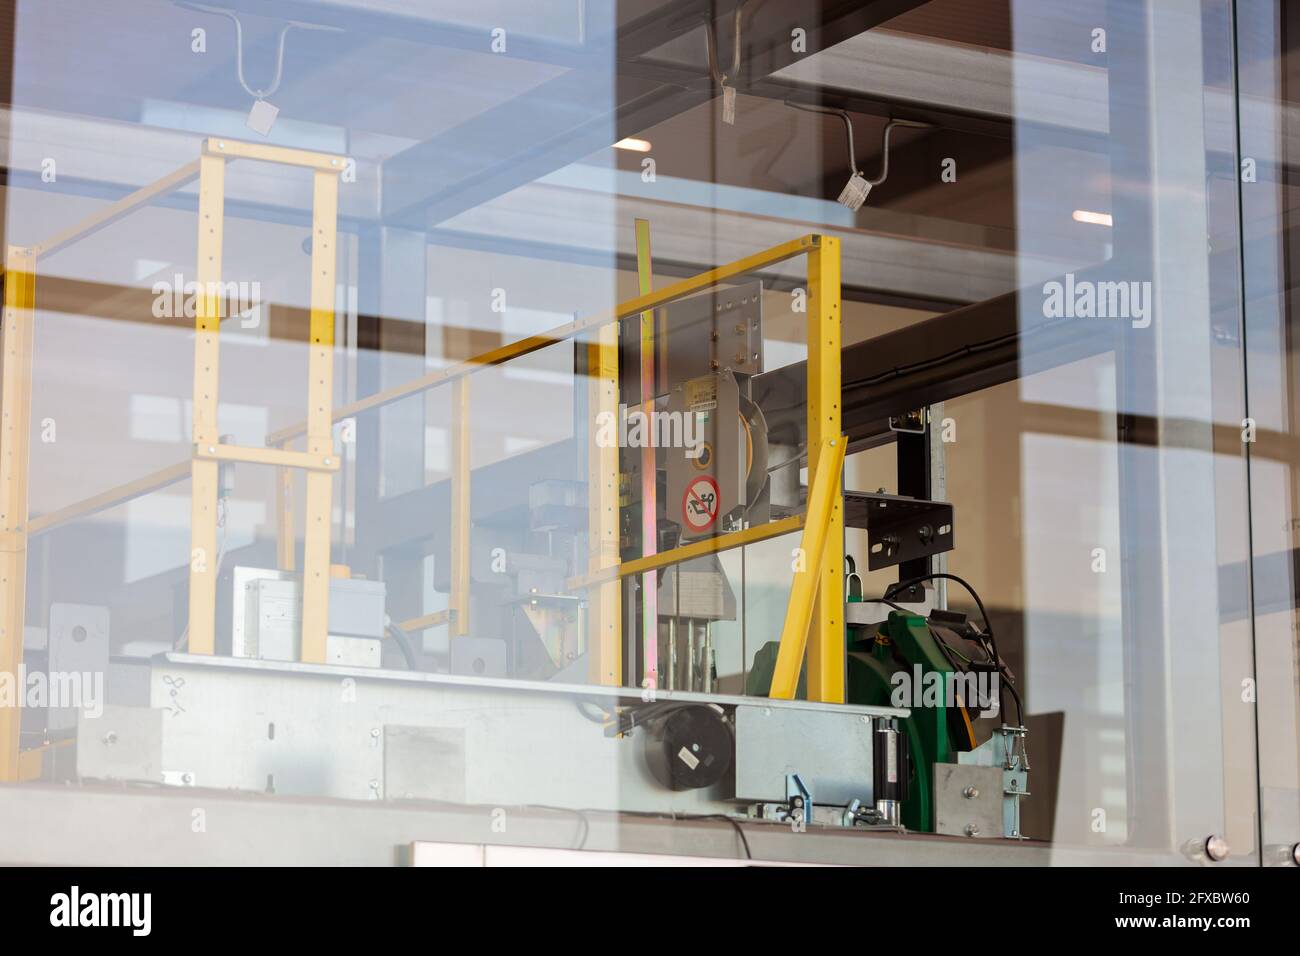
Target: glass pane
{"points": [[1267, 64], [440, 407]]}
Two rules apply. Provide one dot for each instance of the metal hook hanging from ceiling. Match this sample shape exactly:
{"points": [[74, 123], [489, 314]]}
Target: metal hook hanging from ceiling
{"points": [[711, 39], [848, 128], [718, 77], [259, 94]]}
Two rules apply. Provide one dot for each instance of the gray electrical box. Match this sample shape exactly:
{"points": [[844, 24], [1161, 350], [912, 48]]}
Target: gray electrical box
{"points": [[270, 625]]}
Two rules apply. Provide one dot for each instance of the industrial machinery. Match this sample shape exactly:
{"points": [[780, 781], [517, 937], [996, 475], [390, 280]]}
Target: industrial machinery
{"points": [[581, 665]]}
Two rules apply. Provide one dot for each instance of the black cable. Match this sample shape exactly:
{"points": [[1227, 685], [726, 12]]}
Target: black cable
{"points": [[404, 642], [988, 630], [740, 831]]}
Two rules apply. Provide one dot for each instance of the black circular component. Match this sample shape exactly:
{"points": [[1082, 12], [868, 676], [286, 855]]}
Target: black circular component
{"points": [[691, 748]]}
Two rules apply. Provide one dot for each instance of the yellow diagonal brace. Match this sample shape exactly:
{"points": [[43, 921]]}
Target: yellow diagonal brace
{"points": [[807, 576]]}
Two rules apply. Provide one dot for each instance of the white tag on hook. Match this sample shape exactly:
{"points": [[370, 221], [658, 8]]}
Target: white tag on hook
{"points": [[262, 117], [729, 105], [855, 192]]}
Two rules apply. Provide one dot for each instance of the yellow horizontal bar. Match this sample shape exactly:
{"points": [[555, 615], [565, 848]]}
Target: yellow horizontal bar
{"points": [[115, 211], [236, 149], [535, 343], [435, 619], [267, 456], [111, 498], [723, 542]]}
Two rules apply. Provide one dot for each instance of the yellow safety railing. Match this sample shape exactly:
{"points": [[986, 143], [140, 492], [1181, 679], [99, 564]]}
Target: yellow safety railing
{"points": [[319, 460], [814, 618]]}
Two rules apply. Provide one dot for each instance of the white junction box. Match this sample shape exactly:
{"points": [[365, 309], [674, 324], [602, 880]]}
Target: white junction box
{"points": [[272, 621]]}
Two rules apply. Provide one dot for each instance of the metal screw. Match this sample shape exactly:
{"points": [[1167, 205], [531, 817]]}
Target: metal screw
{"points": [[971, 830], [1295, 854], [110, 737], [1217, 849], [374, 731], [374, 784], [970, 793], [327, 461], [187, 778]]}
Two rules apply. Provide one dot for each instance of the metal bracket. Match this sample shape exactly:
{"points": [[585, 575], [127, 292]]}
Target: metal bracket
{"points": [[899, 528], [799, 798]]}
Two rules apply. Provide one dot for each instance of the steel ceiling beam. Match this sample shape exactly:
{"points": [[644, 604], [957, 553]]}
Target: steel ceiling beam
{"points": [[575, 114]]}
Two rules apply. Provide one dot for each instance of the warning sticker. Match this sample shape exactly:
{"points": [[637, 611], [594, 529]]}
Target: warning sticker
{"points": [[700, 504], [702, 394]]}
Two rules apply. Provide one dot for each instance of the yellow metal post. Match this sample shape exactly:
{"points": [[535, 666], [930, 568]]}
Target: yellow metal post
{"points": [[460, 508], [284, 540], [604, 653], [826, 640], [15, 443], [317, 512], [809, 587], [649, 485], [207, 352]]}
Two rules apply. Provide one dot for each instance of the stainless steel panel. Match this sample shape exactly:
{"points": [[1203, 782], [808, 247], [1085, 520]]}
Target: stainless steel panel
{"points": [[968, 800], [829, 749], [424, 763], [78, 662], [124, 743], [319, 730]]}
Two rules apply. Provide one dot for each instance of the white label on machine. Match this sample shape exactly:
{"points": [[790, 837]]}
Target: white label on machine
{"points": [[700, 504], [688, 758]]}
